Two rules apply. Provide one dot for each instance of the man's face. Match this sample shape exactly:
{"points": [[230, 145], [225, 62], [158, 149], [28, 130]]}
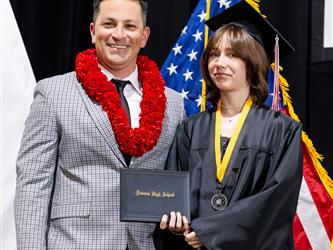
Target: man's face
{"points": [[118, 34]]}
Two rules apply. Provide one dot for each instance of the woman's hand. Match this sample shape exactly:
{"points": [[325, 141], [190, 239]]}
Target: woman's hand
{"points": [[178, 224], [192, 239], [175, 223]]}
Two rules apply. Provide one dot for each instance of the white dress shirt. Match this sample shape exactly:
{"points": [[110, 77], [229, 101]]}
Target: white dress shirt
{"points": [[132, 93]]}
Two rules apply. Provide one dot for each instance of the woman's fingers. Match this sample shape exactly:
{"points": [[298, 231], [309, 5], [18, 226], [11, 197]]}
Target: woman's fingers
{"points": [[175, 222], [172, 221], [179, 221], [164, 222], [193, 240], [185, 223]]}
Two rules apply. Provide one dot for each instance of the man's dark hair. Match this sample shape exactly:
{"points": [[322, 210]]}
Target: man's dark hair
{"points": [[143, 5]]}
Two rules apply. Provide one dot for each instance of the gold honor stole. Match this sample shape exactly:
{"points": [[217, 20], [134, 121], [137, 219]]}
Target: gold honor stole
{"points": [[221, 166]]}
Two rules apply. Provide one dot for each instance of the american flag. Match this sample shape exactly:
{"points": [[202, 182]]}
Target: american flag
{"points": [[313, 224], [181, 69]]}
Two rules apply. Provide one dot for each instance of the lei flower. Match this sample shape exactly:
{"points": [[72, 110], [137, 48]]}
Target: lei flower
{"points": [[131, 141]]}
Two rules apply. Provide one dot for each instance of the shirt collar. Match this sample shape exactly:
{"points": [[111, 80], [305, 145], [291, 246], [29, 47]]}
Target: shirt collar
{"points": [[133, 77]]}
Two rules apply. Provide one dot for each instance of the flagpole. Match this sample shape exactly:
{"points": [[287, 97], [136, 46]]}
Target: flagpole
{"points": [[203, 87]]}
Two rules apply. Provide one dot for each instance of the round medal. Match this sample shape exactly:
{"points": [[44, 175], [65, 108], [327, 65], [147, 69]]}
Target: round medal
{"points": [[219, 201]]}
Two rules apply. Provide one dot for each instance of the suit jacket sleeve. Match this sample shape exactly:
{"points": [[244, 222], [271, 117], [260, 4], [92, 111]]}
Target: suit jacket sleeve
{"points": [[35, 168], [262, 220]]}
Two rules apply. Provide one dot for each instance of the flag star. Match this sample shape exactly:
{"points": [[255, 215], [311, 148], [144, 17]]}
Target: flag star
{"points": [[197, 35], [193, 55], [184, 30], [202, 16], [177, 49], [272, 94], [184, 94], [224, 3], [172, 69], [188, 75], [199, 101]]}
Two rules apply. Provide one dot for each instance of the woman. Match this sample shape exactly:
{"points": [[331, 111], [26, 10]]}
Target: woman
{"points": [[245, 160]]}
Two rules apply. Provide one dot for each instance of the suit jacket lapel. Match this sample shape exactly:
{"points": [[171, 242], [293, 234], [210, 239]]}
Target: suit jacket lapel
{"points": [[102, 122]]}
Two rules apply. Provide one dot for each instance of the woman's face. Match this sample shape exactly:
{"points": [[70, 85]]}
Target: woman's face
{"points": [[227, 71]]}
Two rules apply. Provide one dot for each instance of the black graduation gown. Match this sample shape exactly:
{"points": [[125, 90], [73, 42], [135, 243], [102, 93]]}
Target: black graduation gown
{"points": [[262, 181]]}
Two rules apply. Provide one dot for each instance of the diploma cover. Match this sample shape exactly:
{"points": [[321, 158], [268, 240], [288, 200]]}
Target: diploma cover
{"points": [[147, 194]]}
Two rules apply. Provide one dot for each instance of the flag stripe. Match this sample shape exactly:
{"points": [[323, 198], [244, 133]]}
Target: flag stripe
{"points": [[320, 196], [300, 239], [311, 220]]}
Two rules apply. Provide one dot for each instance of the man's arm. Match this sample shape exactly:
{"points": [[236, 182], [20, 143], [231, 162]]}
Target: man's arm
{"points": [[35, 168]]}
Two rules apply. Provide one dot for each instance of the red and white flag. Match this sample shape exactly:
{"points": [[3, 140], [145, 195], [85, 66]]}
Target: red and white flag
{"points": [[313, 223]]}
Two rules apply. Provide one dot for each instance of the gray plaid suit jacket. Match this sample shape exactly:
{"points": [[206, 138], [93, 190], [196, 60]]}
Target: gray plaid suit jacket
{"points": [[67, 193]]}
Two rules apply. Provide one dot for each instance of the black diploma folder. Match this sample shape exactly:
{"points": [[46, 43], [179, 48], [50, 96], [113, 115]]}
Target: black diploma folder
{"points": [[147, 194]]}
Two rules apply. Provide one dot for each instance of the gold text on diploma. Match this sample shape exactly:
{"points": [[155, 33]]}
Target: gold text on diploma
{"points": [[155, 194]]}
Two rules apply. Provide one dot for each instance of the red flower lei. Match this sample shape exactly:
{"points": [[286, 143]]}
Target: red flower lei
{"points": [[131, 141]]}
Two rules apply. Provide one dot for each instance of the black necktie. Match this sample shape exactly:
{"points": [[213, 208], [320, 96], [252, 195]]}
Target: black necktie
{"points": [[120, 85]]}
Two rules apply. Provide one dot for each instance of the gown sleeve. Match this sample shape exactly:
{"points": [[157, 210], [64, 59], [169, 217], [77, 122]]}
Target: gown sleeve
{"points": [[262, 220], [179, 152]]}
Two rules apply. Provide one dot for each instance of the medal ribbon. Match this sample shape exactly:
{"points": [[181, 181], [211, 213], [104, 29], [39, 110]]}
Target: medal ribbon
{"points": [[221, 166]]}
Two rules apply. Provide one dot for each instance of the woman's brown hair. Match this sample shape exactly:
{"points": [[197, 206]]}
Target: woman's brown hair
{"points": [[250, 51]]}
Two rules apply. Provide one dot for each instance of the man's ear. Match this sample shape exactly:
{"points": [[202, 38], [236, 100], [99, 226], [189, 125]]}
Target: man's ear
{"points": [[92, 32], [145, 36]]}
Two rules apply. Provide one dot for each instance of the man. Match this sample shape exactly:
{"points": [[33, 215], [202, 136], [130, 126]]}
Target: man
{"points": [[79, 134]]}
